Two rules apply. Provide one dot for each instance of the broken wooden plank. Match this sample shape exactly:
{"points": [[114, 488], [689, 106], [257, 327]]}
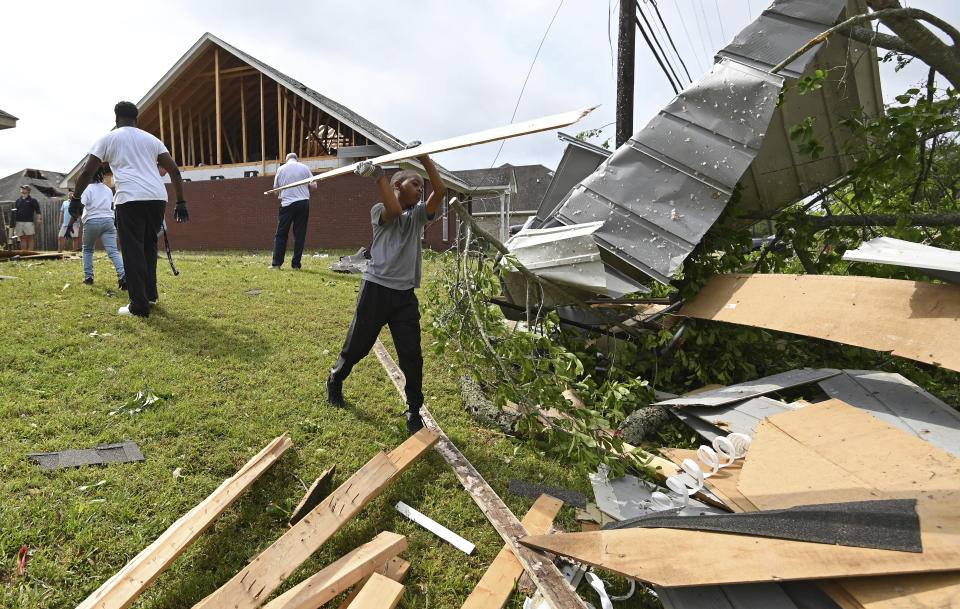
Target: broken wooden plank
{"points": [[396, 569], [315, 494], [341, 574], [471, 139], [544, 573], [130, 581], [379, 593], [497, 584], [436, 528], [910, 319], [752, 389], [255, 582]]}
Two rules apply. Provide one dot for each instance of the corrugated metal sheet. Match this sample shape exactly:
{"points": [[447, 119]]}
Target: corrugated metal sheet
{"points": [[580, 159], [659, 193], [934, 261]]}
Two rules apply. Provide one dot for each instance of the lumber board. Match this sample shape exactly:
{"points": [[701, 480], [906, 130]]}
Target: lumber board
{"points": [[333, 579], [314, 495], [255, 582], [498, 582], [911, 319], [548, 579], [471, 139], [129, 582], [396, 569], [379, 592]]}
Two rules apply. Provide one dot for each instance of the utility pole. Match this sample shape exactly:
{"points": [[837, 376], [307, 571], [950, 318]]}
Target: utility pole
{"points": [[625, 60]]}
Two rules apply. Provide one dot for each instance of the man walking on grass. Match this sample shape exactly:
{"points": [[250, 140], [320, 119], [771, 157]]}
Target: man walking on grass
{"points": [[141, 197]]}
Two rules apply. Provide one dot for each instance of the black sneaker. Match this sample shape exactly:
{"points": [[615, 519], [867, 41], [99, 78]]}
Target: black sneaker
{"points": [[121, 283], [88, 280], [414, 422], [335, 393]]}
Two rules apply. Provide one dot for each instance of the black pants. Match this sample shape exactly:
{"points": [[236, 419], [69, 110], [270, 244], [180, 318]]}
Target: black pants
{"points": [[378, 305], [297, 213], [137, 225]]}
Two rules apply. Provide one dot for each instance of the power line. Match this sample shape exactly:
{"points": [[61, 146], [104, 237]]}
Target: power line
{"points": [[703, 36], [524, 87], [656, 56], [670, 38], [663, 54], [686, 32], [720, 21]]}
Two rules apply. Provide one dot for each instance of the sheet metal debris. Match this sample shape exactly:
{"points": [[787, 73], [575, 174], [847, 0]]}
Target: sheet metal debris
{"points": [[934, 261], [659, 193], [742, 391]]}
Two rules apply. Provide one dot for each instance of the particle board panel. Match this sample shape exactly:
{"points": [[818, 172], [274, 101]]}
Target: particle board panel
{"points": [[839, 433], [129, 582], [379, 592], [498, 582], [471, 139], [752, 389], [255, 582], [335, 578], [910, 319], [894, 399]]}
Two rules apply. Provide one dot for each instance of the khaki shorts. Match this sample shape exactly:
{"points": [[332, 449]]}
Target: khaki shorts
{"points": [[63, 232], [24, 229]]}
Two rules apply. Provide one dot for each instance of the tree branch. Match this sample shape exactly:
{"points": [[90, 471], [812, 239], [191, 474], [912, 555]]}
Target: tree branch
{"points": [[879, 39], [904, 21], [825, 222]]}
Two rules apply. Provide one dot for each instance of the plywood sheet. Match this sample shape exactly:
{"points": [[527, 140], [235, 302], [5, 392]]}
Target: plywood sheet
{"points": [[910, 319], [892, 398]]}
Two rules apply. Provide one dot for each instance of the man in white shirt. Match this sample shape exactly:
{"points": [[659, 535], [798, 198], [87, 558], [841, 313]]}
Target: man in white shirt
{"points": [[141, 197], [294, 209]]}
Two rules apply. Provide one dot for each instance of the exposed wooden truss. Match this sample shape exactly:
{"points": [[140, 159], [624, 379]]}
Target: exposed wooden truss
{"points": [[221, 110]]}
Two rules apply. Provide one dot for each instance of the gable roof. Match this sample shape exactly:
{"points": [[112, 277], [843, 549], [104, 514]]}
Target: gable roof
{"points": [[7, 120], [526, 183], [338, 111]]}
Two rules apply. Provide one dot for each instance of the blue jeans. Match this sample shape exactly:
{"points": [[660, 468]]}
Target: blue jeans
{"points": [[103, 229], [297, 213]]}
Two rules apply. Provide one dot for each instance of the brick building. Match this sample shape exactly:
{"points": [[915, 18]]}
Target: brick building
{"points": [[229, 119]]}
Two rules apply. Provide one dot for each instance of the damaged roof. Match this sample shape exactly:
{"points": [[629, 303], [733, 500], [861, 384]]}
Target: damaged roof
{"points": [[665, 187], [7, 120]]}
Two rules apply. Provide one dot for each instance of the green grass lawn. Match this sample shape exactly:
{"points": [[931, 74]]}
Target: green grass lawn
{"points": [[240, 369]]}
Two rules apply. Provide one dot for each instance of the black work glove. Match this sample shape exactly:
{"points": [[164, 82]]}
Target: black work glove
{"points": [[75, 208], [369, 170], [180, 213]]}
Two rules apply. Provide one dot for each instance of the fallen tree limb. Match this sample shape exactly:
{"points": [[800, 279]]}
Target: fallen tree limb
{"points": [[825, 222]]}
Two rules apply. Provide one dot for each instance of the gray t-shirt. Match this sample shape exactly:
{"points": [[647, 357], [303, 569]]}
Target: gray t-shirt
{"points": [[397, 254]]}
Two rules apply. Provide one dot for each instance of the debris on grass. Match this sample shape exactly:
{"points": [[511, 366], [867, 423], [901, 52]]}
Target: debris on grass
{"points": [[140, 401]]}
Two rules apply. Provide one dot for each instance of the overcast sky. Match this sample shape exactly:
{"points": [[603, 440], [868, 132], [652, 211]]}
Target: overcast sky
{"points": [[421, 69]]}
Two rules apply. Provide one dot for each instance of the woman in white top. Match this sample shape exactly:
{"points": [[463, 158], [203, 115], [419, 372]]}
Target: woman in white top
{"points": [[98, 223]]}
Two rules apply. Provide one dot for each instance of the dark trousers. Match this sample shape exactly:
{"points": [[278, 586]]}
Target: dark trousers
{"points": [[378, 305], [297, 213], [137, 225]]}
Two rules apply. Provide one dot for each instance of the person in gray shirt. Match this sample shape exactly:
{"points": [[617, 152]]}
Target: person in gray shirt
{"points": [[387, 291]]}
